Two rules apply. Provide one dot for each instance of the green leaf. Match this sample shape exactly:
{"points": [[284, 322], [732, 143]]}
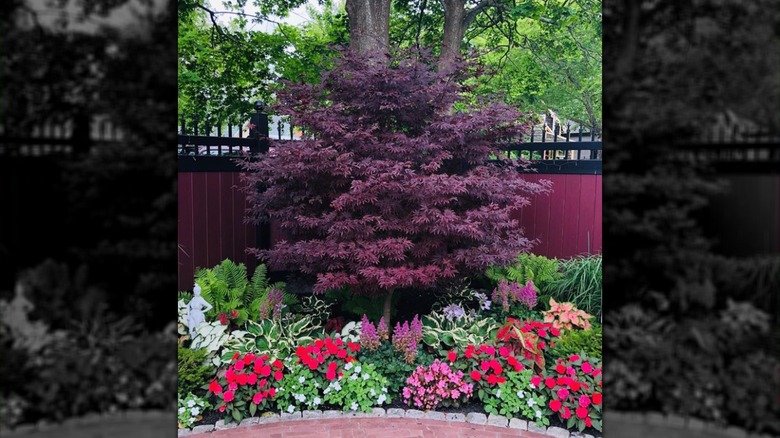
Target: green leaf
{"points": [[252, 409]]}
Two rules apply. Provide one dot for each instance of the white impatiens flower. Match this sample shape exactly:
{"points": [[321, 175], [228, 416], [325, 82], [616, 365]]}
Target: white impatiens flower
{"points": [[316, 401], [348, 366], [372, 392], [291, 409], [384, 389], [498, 393], [358, 369], [301, 379], [182, 409], [316, 384], [191, 403], [365, 376], [538, 414], [336, 386], [531, 402], [521, 394], [381, 399], [195, 411], [353, 377], [354, 406], [327, 390]]}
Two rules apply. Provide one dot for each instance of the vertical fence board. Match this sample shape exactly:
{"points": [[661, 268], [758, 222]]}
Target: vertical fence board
{"points": [[587, 206], [185, 232], [570, 191], [557, 215], [200, 207], [213, 214], [227, 249]]}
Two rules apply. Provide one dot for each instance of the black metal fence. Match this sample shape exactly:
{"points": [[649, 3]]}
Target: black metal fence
{"points": [[734, 149], [210, 142], [59, 138]]}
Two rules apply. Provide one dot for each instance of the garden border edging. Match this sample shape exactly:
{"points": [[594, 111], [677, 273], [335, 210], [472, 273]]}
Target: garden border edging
{"points": [[478, 418]]}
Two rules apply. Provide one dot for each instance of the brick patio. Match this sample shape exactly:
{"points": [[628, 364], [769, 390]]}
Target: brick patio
{"points": [[370, 428]]}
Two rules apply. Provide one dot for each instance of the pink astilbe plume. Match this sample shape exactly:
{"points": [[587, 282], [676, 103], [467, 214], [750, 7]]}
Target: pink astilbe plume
{"points": [[368, 336], [382, 330]]}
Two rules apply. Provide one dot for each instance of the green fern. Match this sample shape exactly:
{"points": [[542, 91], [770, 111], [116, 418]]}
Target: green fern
{"points": [[540, 269]]}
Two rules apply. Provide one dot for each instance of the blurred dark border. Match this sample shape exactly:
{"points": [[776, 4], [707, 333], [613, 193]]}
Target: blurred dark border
{"points": [[691, 207], [88, 224]]}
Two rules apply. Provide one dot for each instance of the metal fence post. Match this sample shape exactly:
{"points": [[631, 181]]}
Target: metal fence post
{"points": [[260, 130]]}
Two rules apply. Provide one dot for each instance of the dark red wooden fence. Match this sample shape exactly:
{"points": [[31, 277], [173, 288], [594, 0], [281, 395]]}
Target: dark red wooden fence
{"points": [[567, 221]]}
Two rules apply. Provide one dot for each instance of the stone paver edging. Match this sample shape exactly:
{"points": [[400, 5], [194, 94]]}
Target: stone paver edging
{"points": [[475, 418], [677, 422]]}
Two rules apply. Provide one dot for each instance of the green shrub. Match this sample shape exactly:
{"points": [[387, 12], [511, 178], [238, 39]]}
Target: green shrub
{"points": [[579, 283], [392, 365], [577, 342], [194, 370]]}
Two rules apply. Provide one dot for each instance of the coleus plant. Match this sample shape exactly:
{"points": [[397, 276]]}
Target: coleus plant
{"points": [[393, 189], [566, 316], [528, 339]]}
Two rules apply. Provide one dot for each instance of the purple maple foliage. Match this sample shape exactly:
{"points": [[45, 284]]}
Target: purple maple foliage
{"points": [[395, 189]]}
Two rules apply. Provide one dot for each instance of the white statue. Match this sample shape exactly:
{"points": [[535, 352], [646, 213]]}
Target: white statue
{"points": [[197, 307]]}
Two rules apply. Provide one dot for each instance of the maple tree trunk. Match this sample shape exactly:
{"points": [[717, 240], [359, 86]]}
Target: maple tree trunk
{"points": [[369, 26], [388, 306], [454, 31]]}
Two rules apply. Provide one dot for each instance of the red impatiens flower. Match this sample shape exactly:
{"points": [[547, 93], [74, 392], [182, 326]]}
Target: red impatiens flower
{"points": [[228, 396], [555, 405], [265, 371], [476, 375], [257, 398], [581, 412], [222, 408], [536, 381], [549, 382], [574, 357], [223, 319], [249, 358], [492, 379], [215, 387], [560, 369], [566, 413], [251, 378], [587, 368], [278, 376], [242, 379], [278, 364], [331, 373], [452, 356], [588, 422], [596, 398], [503, 351], [239, 365]]}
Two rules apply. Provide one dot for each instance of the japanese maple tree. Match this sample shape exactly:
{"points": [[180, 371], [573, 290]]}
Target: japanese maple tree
{"points": [[394, 189]]}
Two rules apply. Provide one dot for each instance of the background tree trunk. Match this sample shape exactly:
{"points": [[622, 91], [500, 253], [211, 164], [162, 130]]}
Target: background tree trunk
{"points": [[454, 30], [388, 307], [369, 26]]}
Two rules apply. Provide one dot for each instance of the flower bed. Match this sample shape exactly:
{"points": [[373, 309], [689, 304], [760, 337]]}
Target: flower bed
{"points": [[487, 352]]}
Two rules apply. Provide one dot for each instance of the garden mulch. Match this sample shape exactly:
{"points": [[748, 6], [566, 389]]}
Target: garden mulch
{"points": [[370, 428]]}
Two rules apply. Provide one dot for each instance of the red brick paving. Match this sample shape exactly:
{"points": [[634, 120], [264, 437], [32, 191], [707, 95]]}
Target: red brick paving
{"points": [[370, 428]]}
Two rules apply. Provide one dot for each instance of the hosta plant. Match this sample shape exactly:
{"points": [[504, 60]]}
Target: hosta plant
{"points": [[436, 384], [518, 398], [566, 316], [247, 385], [211, 337], [574, 388], [275, 338], [191, 409], [528, 339], [351, 332], [443, 335]]}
